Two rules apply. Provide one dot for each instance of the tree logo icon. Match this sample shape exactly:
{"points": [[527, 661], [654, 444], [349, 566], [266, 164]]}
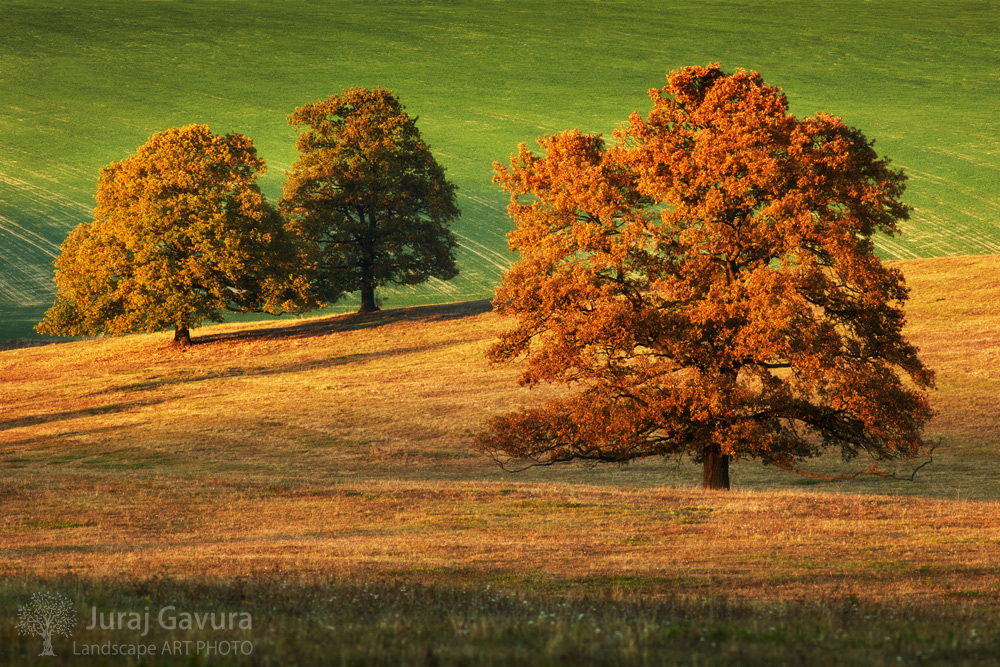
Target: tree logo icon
{"points": [[47, 614]]}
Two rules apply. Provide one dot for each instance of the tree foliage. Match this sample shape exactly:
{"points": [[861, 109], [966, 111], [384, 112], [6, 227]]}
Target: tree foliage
{"points": [[368, 195], [181, 233], [710, 284]]}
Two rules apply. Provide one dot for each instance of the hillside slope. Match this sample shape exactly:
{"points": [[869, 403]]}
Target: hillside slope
{"points": [[318, 475], [400, 393], [86, 83]]}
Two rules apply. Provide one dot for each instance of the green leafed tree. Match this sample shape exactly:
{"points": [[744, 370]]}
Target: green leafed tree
{"points": [[368, 197], [709, 284], [181, 234]]}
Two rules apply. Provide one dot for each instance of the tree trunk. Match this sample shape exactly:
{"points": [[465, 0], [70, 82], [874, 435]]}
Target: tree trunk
{"points": [[716, 469], [182, 337], [368, 304]]}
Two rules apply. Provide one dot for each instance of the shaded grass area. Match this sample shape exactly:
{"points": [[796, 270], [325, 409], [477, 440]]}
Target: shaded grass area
{"points": [[319, 474], [452, 618]]}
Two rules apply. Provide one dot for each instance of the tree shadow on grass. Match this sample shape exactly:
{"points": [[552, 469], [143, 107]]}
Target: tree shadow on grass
{"points": [[293, 331], [17, 459], [35, 420], [351, 322], [158, 382]]}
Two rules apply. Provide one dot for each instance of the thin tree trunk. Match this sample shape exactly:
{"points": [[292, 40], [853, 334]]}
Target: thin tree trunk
{"points": [[716, 469], [182, 337]]}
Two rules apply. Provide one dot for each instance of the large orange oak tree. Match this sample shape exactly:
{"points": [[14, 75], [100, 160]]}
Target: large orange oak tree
{"points": [[709, 284]]}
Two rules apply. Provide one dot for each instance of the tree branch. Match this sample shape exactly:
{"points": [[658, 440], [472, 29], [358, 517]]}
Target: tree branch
{"points": [[874, 471]]}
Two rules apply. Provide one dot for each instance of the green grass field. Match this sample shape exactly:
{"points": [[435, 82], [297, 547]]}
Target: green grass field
{"points": [[85, 82]]}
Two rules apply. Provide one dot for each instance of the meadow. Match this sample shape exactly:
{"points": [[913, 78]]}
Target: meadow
{"points": [[84, 83], [318, 475]]}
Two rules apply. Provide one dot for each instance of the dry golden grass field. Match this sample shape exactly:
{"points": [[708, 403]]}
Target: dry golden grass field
{"points": [[318, 474]]}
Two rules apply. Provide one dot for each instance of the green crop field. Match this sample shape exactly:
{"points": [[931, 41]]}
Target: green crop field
{"points": [[85, 82]]}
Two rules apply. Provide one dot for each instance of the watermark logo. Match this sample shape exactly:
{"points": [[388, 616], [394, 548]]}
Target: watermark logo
{"points": [[136, 634], [47, 614]]}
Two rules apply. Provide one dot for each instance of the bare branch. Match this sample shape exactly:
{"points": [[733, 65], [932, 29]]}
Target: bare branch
{"points": [[873, 471]]}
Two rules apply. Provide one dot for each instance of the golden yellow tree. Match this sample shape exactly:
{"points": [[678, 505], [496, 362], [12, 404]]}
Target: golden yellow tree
{"points": [[710, 284], [181, 234], [368, 197]]}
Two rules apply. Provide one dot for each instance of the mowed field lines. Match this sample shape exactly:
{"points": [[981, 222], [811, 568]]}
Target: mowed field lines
{"points": [[84, 83]]}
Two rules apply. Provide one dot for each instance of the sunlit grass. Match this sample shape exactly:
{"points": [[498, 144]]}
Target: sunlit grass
{"points": [[319, 472]]}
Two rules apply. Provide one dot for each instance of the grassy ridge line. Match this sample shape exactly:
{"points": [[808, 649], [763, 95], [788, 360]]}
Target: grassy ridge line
{"points": [[86, 84]]}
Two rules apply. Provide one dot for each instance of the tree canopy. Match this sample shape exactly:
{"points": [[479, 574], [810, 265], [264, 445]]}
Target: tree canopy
{"points": [[368, 196], [709, 283], [181, 233]]}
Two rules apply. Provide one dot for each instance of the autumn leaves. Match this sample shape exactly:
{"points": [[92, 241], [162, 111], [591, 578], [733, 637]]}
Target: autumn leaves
{"points": [[709, 284], [708, 281], [368, 197], [182, 232]]}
